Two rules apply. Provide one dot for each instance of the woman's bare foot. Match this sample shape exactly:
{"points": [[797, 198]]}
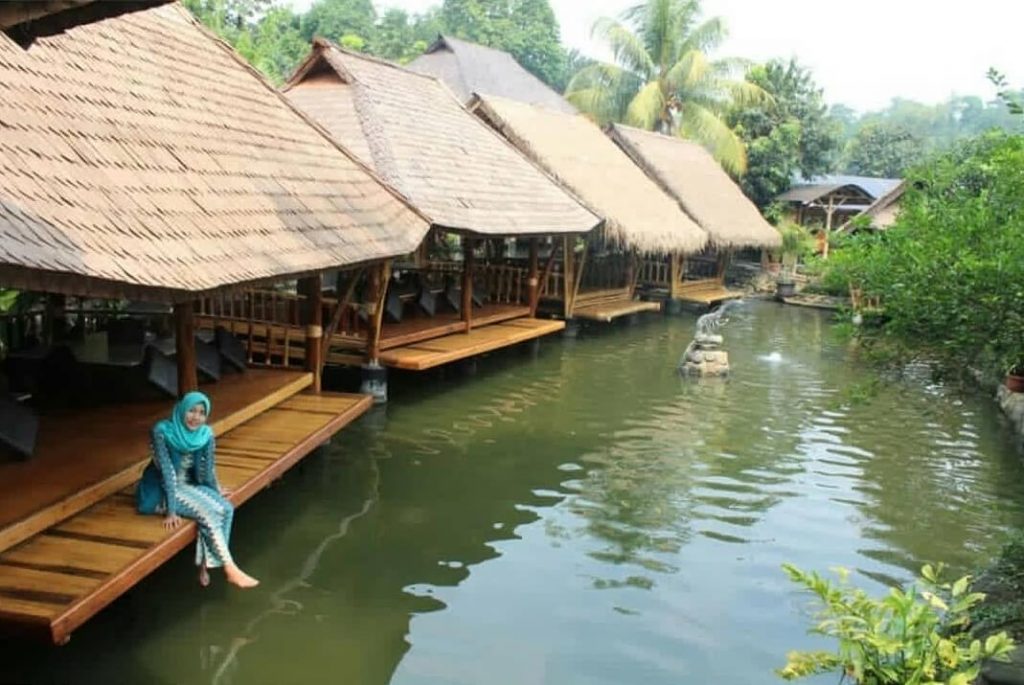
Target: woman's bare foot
{"points": [[204, 575], [237, 576]]}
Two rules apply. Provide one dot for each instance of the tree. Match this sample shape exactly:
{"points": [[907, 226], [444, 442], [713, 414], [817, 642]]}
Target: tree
{"points": [[884, 150], [528, 29], [399, 38], [664, 80], [790, 135], [335, 19]]}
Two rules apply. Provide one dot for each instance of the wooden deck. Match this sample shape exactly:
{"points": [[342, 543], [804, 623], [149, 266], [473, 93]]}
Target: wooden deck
{"points": [[613, 309], [84, 456], [56, 580], [706, 291], [437, 351]]}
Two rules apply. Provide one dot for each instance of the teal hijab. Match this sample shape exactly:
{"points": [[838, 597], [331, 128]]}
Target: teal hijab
{"points": [[176, 432]]}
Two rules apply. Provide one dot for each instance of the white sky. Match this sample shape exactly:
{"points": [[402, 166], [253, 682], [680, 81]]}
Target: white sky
{"points": [[863, 53]]}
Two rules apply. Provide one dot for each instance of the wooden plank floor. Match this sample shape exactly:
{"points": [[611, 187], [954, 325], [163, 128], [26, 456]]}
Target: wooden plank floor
{"points": [[83, 457], [609, 311], [430, 353], [55, 581], [705, 291]]}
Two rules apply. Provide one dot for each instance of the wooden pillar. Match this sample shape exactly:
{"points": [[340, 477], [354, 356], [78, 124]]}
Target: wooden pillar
{"points": [[468, 263], [568, 279], [631, 273], [379, 277], [533, 281], [675, 276], [313, 321], [185, 347]]}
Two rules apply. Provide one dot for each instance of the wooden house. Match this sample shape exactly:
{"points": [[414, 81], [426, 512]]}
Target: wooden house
{"points": [[690, 174], [596, 279], [481, 195], [827, 203], [142, 159]]}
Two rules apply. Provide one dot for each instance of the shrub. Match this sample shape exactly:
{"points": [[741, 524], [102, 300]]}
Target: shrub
{"points": [[917, 636]]}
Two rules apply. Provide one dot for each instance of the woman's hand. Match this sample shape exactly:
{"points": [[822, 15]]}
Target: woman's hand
{"points": [[171, 522]]}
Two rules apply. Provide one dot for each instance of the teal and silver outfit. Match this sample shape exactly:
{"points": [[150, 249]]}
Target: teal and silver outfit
{"points": [[181, 480]]}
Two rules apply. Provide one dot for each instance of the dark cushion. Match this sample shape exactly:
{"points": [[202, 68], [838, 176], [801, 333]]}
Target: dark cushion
{"points": [[393, 306], [231, 349], [427, 301], [453, 297], [19, 428], [161, 371]]}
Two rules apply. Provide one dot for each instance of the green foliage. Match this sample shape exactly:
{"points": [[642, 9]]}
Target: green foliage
{"points": [[884, 150], [333, 19], [664, 80], [916, 636], [950, 272], [1013, 101], [527, 29], [1003, 580], [792, 134]]}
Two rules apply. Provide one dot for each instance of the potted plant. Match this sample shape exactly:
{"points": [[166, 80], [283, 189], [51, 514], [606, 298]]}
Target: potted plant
{"points": [[794, 242], [1015, 376]]}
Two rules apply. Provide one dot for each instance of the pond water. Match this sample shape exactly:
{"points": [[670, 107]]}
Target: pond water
{"points": [[579, 516]]}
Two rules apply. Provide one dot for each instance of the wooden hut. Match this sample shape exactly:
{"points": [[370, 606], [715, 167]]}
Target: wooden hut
{"points": [[470, 183], [598, 279], [826, 203], [470, 68], [142, 158], [882, 213], [690, 174]]}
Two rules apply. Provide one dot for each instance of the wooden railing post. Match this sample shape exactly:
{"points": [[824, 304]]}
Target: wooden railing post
{"points": [[185, 347], [568, 255], [468, 264], [313, 320], [533, 283], [676, 274]]}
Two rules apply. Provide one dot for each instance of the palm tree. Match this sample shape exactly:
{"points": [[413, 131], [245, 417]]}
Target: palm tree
{"points": [[664, 81]]}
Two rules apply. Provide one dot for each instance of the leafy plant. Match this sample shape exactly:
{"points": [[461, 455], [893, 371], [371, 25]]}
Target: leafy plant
{"points": [[796, 243], [916, 636]]}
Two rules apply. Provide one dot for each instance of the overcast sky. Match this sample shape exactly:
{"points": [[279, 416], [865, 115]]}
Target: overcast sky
{"points": [[863, 54]]}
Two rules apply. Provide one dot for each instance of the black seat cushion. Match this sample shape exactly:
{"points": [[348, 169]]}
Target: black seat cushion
{"points": [[393, 306], [231, 349], [19, 428], [427, 301]]}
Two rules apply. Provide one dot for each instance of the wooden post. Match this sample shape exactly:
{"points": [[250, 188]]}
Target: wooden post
{"points": [[185, 347], [579, 275], [568, 280], [829, 211], [675, 276], [379, 278], [630, 274], [313, 320], [468, 262], [534, 283]]}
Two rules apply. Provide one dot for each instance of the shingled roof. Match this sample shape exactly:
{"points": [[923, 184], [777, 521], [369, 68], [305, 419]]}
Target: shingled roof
{"points": [[572, 148], [140, 156], [416, 134], [689, 173], [469, 68]]}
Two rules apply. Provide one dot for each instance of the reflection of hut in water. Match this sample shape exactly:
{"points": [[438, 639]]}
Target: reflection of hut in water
{"points": [[213, 182], [690, 174], [598, 279], [474, 188]]}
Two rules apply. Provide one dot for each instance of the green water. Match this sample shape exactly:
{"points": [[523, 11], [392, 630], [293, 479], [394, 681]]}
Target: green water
{"points": [[582, 516]]}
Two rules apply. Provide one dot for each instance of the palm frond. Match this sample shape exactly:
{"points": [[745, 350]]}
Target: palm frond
{"points": [[628, 49], [706, 37], [707, 128], [603, 91], [747, 94], [647, 108], [688, 72]]}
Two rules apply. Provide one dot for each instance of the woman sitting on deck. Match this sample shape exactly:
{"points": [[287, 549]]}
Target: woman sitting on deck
{"points": [[182, 481]]}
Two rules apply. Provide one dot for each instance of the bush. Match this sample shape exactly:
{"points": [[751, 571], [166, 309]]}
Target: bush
{"points": [[917, 636], [950, 271]]}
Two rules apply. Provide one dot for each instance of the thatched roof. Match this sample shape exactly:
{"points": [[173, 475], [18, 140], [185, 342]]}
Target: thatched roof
{"points": [[469, 68], [574, 150], [416, 134], [690, 174], [884, 210], [140, 156]]}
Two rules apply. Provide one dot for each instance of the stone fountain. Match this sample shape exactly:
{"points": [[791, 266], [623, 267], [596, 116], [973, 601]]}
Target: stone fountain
{"points": [[704, 356]]}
